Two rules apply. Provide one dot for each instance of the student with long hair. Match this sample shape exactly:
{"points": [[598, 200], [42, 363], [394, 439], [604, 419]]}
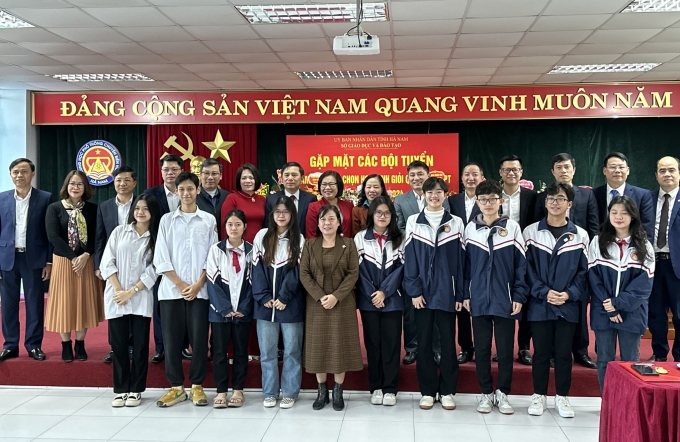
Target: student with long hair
{"points": [[372, 187], [231, 307], [381, 271], [127, 267], [279, 302], [621, 272]]}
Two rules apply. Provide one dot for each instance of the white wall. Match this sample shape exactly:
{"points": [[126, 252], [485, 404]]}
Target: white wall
{"points": [[18, 138]]}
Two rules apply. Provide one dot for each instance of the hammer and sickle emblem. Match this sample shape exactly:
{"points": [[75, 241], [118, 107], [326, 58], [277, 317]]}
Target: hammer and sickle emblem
{"points": [[187, 154]]}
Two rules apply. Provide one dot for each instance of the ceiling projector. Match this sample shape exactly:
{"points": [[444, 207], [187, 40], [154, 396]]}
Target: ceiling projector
{"points": [[361, 44]]}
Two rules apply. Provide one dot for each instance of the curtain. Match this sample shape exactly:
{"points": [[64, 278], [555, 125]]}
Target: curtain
{"points": [[59, 145], [244, 149]]}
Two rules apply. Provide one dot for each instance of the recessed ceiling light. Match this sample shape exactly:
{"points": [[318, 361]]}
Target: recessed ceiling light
{"points": [[101, 77], [653, 6], [603, 68], [320, 13], [334, 75], [8, 20]]}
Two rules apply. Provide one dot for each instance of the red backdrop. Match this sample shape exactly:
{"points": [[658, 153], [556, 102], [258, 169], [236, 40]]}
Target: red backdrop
{"points": [[244, 149]]}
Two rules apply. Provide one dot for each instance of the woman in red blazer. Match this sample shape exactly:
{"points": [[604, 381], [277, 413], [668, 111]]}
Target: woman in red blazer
{"points": [[248, 181], [330, 189]]}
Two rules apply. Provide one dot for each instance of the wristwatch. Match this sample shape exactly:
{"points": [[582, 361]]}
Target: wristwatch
{"points": [[135, 288]]}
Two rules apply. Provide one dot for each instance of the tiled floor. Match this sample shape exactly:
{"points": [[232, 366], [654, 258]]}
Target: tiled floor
{"points": [[86, 414]]}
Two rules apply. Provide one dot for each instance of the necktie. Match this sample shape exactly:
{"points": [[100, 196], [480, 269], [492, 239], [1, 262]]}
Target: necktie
{"points": [[213, 199], [380, 238], [663, 223], [234, 260], [292, 197], [621, 243], [614, 193]]}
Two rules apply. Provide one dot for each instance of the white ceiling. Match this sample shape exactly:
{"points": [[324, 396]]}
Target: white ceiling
{"points": [[207, 44]]}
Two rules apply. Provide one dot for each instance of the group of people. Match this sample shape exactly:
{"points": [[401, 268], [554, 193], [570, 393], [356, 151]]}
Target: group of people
{"points": [[237, 274]]}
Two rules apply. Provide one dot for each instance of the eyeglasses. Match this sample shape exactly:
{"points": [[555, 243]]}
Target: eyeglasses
{"points": [[281, 213], [211, 174], [379, 214], [513, 170], [171, 169], [485, 201], [76, 185], [559, 200], [328, 184], [615, 168]]}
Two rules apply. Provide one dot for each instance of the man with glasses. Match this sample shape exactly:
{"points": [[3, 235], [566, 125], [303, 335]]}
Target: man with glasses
{"points": [[616, 171], [111, 214], [25, 257], [291, 174], [211, 197], [519, 204]]}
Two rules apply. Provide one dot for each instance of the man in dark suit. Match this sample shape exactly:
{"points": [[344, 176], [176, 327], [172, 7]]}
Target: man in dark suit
{"points": [[25, 256], [520, 205], [616, 171], [111, 214], [666, 244], [583, 213], [211, 197], [406, 205], [171, 167], [291, 174], [463, 205]]}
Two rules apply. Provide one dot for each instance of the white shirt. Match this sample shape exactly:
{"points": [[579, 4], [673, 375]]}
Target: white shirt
{"points": [[123, 211], [620, 191], [434, 218], [173, 199], [125, 256], [420, 199], [469, 205], [236, 279], [21, 219], [659, 204], [511, 205], [182, 246], [296, 195]]}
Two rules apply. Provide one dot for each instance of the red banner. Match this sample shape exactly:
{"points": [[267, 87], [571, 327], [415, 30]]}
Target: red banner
{"points": [[559, 101], [356, 156]]}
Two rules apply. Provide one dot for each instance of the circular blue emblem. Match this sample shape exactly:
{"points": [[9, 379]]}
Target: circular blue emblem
{"points": [[98, 159]]}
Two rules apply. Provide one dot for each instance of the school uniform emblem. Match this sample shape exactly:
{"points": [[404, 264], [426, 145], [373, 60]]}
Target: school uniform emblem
{"points": [[503, 232], [570, 237], [447, 228], [634, 255]]}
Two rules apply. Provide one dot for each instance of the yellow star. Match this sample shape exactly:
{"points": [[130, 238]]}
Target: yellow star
{"points": [[219, 147]]}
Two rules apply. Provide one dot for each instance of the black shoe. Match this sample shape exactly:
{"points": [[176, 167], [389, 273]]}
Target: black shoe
{"points": [[37, 354], [79, 350], [410, 357], [524, 357], [67, 351], [437, 358], [338, 400], [321, 397], [186, 354], [8, 354], [465, 356], [280, 355], [130, 354], [158, 357], [495, 357], [108, 358], [585, 361], [655, 358], [552, 362]]}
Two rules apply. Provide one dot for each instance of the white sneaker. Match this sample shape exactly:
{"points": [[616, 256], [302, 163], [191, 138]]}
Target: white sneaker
{"points": [[426, 402], [563, 406], [486, 403], [448, 403], [503, 404], [389, 399], [269, 402], [133, 400], [539, 403], [377, 397], [119, 400], [287, 402]]}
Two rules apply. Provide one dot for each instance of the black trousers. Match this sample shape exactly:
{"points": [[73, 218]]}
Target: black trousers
{"points": [[129, 376], [157, 329], [503, 330], [179, 317], [411, 332], [382, 335], [223, 333], [426, 370], [524, 330], [464, 330], [581, 339], [665, 295], [549, 335]]}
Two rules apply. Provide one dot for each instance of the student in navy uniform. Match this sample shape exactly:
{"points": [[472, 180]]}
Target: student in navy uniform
{"points": [[25, 257], [665, 294], [231, 308], [433, 275], [463, 206], [583, 213], [379, 298], [494, 291], [211, 197], [557, 263], [292, 175], [279, 302], [616, 171], [621, 272]]}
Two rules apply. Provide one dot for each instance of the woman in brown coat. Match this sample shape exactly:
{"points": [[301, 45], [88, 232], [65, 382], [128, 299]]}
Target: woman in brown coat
{"points": [[328, 271]]}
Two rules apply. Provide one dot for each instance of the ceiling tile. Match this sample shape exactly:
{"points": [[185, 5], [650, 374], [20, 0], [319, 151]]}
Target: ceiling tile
{"points": [[238, 47], [371, 82], [13, 49], [299, 45], [367, 65], [211, 76], [673, 66], [236, 84], [514, 79], [554, 38], [174, 76], [570, 22], [574, 7], [488, 40], [145, 34], [191, 85], [193, 58], [38, 4], [524, 70], [57, 18], [642, 21], [421, 54], [37, 35], [374, 27], [476, 63], [648, 58], [546, 60], [426, 27], [107, 3], [469, 71], [272, 76], [419, 81], [655, 75], [423, 42], [515, 8], [419, 64], [57, 48], [587, 59], [139, 59], [542, 50], [615, 76], [15, 70], [117, 48], [83, 59], [261, 67], [280, 84], [306, 30], [471, 80], [169, 68], [562, 78], [594, 49], [306, 56], [263, 57], [327, 84], [425, 10], [184, 2], [143, 16], [419, 73], [53, 70], [106, 69], [178, 47], [655, 48], [670, 35], [622, 36], [314, 66], [90, 35], [383, 55], [204, 15], [504, 24], [481, 52], [29, 60], [108, 86], [209, 67], [57, 85], [227, 33]]}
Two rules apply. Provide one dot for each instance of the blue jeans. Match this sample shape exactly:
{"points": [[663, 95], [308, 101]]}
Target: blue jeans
{"points": [[605, 341], [291, 374]]}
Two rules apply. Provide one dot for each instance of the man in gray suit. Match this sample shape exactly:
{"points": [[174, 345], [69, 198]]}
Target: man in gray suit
{"points": [[406, 205]]}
